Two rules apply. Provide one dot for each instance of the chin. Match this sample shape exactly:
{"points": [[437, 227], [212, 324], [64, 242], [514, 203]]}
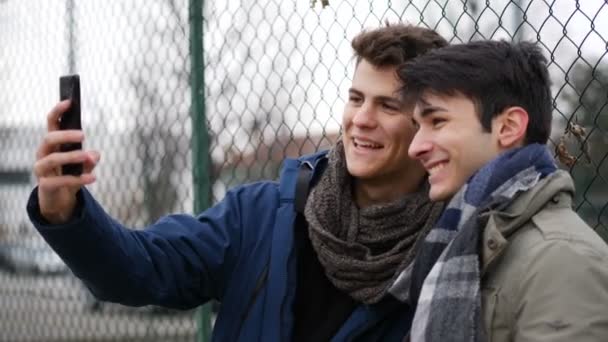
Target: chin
{"points": [[439, 194], [358, 168], [358, 172]]}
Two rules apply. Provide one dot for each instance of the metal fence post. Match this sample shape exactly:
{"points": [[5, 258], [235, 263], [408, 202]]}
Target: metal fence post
{"points": [[200, 139], [69, 11]]}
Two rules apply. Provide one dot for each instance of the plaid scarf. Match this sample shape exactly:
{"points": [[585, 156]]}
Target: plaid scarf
{"points": [[444, 279]]}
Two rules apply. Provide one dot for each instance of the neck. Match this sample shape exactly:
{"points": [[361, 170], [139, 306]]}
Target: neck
{"points": [[367, 193]]}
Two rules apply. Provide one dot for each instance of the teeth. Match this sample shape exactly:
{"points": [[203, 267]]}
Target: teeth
{"points": [[366, 144], [436, 168]]}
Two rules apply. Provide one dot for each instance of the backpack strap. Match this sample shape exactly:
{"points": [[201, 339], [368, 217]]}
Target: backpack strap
{"points": [[302, 187], [303, 184]]}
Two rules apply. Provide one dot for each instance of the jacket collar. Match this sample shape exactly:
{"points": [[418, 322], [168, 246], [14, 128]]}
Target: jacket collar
{"points": [[556, 188]]}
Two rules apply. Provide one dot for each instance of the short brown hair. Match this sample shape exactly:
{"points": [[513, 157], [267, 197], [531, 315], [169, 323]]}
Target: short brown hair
{"points": [[394, 44], [494, 75]]}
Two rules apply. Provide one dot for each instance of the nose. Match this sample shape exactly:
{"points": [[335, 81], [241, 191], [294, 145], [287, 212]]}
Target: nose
{"points": [[365, 116], [420, 146]]}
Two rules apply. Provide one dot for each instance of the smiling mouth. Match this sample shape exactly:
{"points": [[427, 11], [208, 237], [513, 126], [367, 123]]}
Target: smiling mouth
{"points": [[366, 144], [436, 168]]}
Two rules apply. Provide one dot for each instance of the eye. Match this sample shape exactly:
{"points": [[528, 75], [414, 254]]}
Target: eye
{"points": [[354, 98], [438, 122], [390, 106]]}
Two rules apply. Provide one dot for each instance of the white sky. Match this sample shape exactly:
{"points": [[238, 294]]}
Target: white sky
{"points": [[33, 45]]}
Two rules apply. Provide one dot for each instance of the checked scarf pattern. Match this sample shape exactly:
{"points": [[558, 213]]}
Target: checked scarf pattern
{"points": [[444, 279]]}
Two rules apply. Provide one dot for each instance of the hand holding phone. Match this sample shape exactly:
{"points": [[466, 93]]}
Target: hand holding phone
{"points": [[58, 183], [69, 88]]}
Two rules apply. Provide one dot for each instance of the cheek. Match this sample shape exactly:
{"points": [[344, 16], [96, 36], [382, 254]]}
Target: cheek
{"points": [[401, 130], [347, 116], [475, 155]]}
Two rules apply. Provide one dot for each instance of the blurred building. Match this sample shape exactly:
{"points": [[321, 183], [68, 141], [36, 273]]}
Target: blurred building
{"points": [[264, 163]]}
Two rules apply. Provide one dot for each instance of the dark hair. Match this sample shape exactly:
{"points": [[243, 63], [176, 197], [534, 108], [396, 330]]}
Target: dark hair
{"points": [[394, 44], [495, 75]]}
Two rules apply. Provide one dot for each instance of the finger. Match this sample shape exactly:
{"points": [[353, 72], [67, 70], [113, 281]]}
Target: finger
{"points": [[92, 160], [52, 118], [54, 183], [52, 140], [48, 165]]}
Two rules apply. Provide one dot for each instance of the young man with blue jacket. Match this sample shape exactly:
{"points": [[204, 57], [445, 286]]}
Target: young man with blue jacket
{"points": [[509, 260], [277, 279]]}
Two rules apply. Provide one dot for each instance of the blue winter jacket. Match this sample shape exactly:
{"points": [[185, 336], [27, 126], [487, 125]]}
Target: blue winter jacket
{"points": [[240, 252]]}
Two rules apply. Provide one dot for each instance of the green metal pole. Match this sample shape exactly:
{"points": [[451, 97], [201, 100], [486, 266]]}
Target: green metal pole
{"points": [[518, 20], [69, 10], [200, 139]]}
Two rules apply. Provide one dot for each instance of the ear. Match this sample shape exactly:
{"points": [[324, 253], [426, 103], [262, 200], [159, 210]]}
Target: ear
{"points": [[510, 127]]}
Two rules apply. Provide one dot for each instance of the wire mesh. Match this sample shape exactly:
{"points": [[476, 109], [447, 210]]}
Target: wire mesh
{"points": [[276, 77]]}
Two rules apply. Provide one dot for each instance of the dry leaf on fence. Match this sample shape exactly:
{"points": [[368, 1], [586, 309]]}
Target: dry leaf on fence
{"points": [[562, 153]]}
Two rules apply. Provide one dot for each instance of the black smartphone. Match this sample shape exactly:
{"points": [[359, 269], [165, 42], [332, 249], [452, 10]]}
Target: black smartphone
{"points": [[69, 88]]}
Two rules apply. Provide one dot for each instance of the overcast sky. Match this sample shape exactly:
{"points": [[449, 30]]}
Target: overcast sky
{"points": [[33, 46]]}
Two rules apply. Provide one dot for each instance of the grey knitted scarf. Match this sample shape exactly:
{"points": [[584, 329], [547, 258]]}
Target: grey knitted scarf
{"points": [[363, 250]]}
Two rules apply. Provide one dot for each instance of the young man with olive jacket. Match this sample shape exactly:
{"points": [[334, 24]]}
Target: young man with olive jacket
{"points": [[509, 260]]}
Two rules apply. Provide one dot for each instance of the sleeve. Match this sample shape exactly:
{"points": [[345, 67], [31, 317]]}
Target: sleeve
{"points": [[180, 261], [564, 295]]}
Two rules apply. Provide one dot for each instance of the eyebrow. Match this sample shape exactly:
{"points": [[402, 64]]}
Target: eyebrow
{"points": [[428, 109], [380, 97], [353, 90]]}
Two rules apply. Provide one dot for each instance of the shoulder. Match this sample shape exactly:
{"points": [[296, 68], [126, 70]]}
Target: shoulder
{"points": [[557, 244], [554, 269], [270, 195], [558, 224], [314, 157], [254, 195], [315, 162]]}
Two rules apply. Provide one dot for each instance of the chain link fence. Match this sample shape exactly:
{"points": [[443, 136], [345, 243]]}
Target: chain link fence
{"points": [[276, 75]]}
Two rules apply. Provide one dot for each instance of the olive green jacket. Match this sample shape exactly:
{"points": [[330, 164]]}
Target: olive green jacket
{"points": [[544, 271]]}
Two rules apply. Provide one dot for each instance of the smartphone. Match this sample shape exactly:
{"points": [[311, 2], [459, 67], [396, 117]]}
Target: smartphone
{"points": [[69, 88]]}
